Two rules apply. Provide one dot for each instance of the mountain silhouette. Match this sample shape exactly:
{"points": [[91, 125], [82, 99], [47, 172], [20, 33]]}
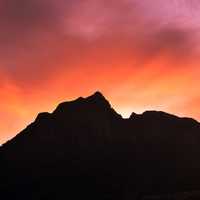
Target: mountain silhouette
{"points": [[84, 149]]}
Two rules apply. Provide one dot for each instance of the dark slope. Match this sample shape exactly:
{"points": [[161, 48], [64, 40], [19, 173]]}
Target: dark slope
{"points": [[85, 149]]}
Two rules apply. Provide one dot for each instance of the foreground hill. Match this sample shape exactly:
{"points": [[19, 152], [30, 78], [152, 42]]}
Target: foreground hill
{"points": [[84, 149]]}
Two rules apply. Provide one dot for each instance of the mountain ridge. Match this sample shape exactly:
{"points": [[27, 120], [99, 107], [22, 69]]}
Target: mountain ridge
{"points": [[85, 143], [100, 100]]}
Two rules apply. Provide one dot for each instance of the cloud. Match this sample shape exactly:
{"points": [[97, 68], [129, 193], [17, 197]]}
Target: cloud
{"points": [[175, 44], [40, 38], [22, 18]]}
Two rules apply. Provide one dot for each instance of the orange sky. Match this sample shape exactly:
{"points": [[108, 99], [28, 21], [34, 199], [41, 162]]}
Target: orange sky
{"points": [[141, 56]]}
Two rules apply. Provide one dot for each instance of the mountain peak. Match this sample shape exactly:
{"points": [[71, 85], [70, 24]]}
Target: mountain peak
{"points": [[96, 100], [99, 99], [97, 95]]}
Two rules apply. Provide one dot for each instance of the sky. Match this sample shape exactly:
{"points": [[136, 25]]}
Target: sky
{"points": [[142, 55]]}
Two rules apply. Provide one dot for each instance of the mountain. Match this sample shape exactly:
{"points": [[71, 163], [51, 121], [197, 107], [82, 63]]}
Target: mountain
{"points": [[84, 149]]}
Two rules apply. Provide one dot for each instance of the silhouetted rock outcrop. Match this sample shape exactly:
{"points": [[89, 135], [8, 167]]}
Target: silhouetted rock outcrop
{"points": [[84, 149]]}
